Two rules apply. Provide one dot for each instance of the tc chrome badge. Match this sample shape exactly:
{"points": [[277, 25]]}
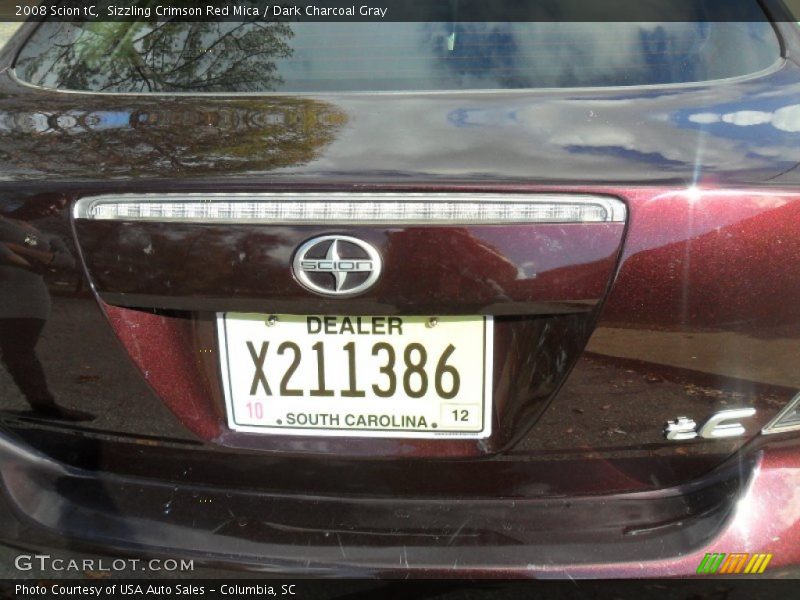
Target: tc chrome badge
{"points": [[724, 424], [337, 265]]}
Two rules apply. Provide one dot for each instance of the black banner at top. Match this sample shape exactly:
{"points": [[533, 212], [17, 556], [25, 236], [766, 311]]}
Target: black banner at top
{"points": [[399, 10]]}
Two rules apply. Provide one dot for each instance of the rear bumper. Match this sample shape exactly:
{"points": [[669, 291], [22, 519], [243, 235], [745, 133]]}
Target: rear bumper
{"points": [[749, 505]]}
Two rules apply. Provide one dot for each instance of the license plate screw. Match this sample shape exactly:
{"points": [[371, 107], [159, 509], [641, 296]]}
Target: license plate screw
{"points": [[432, 322], [272, 320]]}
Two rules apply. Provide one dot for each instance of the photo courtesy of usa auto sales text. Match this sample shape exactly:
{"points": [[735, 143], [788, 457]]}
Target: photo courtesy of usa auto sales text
{"points": [[127, 589]]}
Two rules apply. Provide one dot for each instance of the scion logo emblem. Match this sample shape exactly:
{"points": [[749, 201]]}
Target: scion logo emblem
{"points": [[337, 265]]}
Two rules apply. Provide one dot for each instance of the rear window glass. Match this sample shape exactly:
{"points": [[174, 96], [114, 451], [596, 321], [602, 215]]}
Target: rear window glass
{"points": [[336, 57]]}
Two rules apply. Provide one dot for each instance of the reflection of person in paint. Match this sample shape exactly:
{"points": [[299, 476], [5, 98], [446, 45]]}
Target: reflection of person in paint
{"points": [[25, 254]]}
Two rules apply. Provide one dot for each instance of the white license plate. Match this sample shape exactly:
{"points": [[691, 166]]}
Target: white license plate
{"points": [[410, 377]]}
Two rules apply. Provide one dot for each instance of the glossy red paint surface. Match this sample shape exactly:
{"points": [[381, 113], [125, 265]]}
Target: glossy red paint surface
{"points": [[494, 269], [765, 519], [164, 351], [664, 533], [700, 317], [710, 258], [528, 273], [178, 357], [689, 263]]}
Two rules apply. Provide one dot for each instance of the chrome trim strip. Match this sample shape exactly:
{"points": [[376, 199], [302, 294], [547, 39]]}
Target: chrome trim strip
{"points": [[779, 63], [606, 209], [774, 425]]}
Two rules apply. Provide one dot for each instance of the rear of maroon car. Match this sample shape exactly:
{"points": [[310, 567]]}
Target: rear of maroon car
{"points": [[440, 299]]}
